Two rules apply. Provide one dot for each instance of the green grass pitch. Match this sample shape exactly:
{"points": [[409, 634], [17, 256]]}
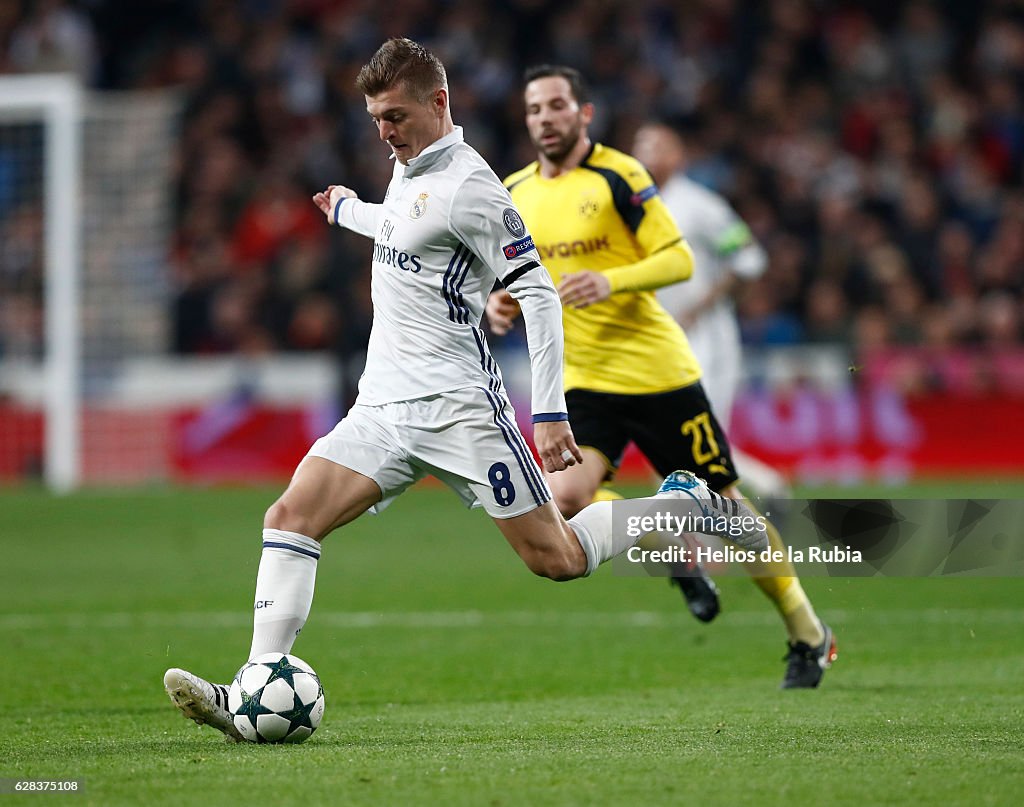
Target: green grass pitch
{"points": [[455, 677]]}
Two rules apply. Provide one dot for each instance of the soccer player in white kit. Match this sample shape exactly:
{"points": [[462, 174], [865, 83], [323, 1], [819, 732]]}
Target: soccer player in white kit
{"points": [[431, 399], [725, 255]]}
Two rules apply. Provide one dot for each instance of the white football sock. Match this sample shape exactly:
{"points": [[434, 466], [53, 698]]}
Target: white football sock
{"points": [[762, 479], [284, 590], [593, 528]]}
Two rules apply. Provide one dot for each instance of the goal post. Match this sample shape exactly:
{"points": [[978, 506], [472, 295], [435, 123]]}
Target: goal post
{"points": [[55, 101], [87, 219], [91, 288]]}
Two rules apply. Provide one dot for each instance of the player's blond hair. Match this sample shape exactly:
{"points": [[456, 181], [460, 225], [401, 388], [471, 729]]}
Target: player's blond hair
{"points": [[403, 62]]}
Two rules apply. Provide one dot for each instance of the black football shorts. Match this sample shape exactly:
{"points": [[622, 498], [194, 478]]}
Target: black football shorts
{"points": [[674, 430]]}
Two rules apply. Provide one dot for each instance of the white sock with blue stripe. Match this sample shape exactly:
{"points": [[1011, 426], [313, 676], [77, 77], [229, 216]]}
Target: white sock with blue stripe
{"points": [[284, 590], [593, 528]]}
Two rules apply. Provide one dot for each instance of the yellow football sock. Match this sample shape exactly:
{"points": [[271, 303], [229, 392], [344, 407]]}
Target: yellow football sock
{"points": [[779, 582], [606, 494]]}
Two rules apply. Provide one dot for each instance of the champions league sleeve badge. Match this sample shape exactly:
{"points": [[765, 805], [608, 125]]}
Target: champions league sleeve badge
{"points": [[513, 222]]}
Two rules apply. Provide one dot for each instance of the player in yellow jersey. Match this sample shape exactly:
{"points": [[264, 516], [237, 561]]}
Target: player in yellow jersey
{"points": [[608, 241]]}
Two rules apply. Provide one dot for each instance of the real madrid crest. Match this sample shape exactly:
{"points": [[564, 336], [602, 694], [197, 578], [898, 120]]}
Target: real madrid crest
{"points": [[419, 207]]}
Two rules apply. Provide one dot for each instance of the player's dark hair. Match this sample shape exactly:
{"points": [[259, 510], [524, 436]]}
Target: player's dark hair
{"points": [[402, 61], [577, 84], [686, 126]]}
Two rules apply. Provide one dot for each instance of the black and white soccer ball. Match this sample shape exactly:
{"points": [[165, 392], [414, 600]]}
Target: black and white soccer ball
{"points": [[276, 698]]}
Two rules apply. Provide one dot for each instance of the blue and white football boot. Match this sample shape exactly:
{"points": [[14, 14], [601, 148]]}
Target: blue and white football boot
{"points": [[725, 518]]}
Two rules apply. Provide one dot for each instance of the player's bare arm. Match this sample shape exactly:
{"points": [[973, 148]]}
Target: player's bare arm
{"points": [[502, 311], [327, 199], [556, 445], [581, 289]]}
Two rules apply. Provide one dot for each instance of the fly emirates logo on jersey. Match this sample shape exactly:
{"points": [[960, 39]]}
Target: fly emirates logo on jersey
{"points": [[394, 256]]}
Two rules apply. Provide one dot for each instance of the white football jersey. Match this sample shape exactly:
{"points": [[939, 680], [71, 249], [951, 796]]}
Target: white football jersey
{"points": [[445, 231], [722, 244]]}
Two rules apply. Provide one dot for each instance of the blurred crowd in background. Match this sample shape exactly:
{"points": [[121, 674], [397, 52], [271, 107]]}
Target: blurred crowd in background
{"points": [[875, 148]]}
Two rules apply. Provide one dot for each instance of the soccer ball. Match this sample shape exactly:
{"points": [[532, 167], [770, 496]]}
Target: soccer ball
{"points": [[276, 698]]}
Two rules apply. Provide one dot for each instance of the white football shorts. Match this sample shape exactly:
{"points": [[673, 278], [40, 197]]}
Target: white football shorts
{"points": [[719, 352], [467, 438]]}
